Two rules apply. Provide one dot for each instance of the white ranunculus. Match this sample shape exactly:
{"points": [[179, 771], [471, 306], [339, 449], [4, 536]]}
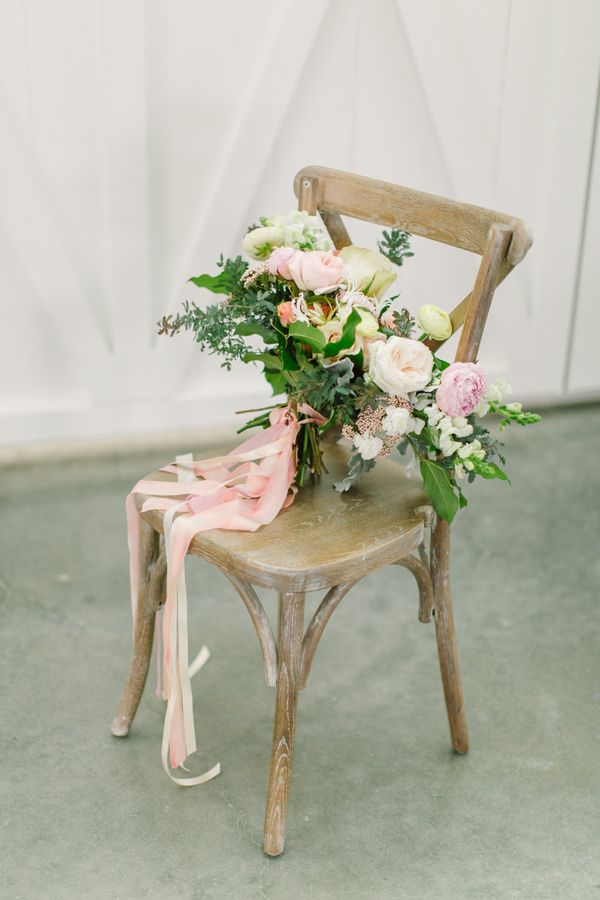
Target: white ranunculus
{"points": [[259, 242], [368, 270], [435, 322], [396, 421], [368, 447], [400, 365]]}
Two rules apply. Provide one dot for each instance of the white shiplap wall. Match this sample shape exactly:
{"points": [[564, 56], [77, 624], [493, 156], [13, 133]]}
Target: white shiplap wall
{"points": [[138, 139]]}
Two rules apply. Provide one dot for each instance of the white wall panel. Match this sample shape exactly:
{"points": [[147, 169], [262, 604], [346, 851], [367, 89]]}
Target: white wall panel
{"points": [[137, 139]]}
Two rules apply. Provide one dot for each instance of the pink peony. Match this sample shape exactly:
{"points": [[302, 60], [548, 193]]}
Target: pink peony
{"points": [[317, 271], [461, 388], [279, 260], [286, 313]]}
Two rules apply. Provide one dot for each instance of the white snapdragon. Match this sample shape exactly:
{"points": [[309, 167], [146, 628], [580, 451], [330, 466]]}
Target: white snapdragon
{"points": [[368, 447], [469, 452]]}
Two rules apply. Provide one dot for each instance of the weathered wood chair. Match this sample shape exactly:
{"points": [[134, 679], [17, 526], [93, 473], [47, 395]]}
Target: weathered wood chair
{"points": [[401, 528]]}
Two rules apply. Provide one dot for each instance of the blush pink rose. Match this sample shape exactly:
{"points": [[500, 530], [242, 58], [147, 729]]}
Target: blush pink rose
{"points": [[461, 388], [317, 271], [279, 260], [286, 314]]}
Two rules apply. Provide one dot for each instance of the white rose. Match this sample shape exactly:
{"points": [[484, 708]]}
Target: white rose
{"points": [[368, 447], [368, 270], [396, 421], [400, 365], [259, 242]]}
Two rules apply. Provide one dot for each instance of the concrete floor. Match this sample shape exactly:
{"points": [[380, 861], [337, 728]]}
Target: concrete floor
{"points": [[380, 807]]}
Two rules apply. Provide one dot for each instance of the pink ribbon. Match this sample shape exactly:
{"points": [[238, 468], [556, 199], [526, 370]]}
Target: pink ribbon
{"points": [[240, 491]]}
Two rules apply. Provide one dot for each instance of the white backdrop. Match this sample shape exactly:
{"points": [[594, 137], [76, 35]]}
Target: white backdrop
{"points": [[139, 138]]}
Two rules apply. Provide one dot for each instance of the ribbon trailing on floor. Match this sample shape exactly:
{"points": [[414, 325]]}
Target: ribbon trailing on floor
{"points": [[240, 491]]}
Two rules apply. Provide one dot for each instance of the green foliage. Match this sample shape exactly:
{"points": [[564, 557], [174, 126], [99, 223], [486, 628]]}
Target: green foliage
{"points": [[439, 489], [357, 466], [348, 334], [512, 412], [331, 390], [489, 470], [395, 244], [306, 334], [226, 281]]}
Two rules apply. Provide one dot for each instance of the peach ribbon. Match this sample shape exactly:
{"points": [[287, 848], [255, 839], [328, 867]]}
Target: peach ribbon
{"points": [[240, 491]]}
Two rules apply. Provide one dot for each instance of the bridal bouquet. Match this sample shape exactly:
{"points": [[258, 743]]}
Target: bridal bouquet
{"points": [[319, 322]]}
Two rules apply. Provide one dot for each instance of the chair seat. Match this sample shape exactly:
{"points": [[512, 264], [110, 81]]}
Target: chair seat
{"points": [[324, 538]]}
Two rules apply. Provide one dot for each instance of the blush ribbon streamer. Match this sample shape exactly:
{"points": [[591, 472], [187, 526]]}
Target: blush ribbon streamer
{"points": [[240, 491]]}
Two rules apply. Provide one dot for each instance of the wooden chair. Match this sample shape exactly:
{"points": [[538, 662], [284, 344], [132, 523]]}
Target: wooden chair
{"points": [[401, 528]]}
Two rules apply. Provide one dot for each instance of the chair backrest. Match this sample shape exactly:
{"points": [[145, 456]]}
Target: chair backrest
{"points": [[502, 241]]}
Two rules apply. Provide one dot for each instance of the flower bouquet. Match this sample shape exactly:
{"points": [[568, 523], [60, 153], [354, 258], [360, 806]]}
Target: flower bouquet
{"points": [[319, 322]]}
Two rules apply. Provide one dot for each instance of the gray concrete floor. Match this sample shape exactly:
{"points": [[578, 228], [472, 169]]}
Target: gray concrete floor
{"points": [[380, 806]]}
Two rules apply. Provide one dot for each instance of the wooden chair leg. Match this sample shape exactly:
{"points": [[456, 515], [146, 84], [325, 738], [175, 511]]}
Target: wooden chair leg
{"points": [[291, 628], [446, 636], [151, 594]]}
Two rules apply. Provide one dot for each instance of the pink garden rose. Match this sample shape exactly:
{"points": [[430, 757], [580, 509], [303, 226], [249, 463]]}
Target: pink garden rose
{"points": [[461, 388], [317, 271], [279, 260], [286, 313]]}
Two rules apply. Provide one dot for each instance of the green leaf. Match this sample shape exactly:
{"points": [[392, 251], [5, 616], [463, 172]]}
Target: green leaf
{"points": [[462, 500], [248, 328], [347, 338], [290, 364], [306, 334], [489, 470], [277, 382], [439, 490], [218, 284], [269, 359], [441, 363]]}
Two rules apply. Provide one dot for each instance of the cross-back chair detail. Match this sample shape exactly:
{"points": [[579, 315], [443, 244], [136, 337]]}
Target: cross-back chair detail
{"points": [[275, 556], [502, 241]]}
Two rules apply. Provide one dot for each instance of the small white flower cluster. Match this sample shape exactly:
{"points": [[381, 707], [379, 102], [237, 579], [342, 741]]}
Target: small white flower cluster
{"points": [[446, 430], [302, 231], [468, 453], [394, 420]]}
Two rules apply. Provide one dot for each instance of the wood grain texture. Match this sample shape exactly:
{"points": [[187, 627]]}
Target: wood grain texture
{"points": [[461, 310], [284, 728], [324, 538], [420, 570], [483, 292], [336, 228], [261, 624], [446, 636], [317, 625], [151, 579], [437, 218]]}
